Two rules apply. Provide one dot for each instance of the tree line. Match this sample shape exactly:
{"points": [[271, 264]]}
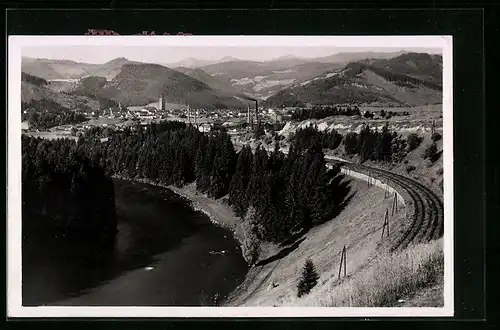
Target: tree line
{"points": [[368, 144], [318, 112], [63, 193], [376, 145], [309, 136]]}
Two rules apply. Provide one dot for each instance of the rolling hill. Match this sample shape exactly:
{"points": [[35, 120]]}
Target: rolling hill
{"points": [[56, 69], [213, 81], [347, 57], [63, 69], [410, 79], [192, 63], [140, 84], [263, 79]]}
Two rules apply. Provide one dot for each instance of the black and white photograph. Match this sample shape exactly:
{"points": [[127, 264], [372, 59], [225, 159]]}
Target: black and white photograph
{"points": [[187, 176]]}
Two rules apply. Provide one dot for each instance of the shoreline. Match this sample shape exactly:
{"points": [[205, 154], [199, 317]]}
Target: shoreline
{"points": [[196, 205], [224, 218]]}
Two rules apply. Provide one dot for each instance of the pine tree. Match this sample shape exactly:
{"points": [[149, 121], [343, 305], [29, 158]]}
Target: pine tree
{"points": [[308, 280], [251, 244], [238, 197]]}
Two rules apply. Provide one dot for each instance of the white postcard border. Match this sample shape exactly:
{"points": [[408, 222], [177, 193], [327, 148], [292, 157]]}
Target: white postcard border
{"points": [[16, 43]]}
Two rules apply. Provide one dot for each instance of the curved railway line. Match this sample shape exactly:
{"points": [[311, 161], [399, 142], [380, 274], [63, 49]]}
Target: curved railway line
{"points": [[428, 210]]}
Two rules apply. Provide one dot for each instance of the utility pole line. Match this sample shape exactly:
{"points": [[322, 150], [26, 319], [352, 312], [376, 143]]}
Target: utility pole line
{"points": [[386, 224], [343, 257], [395, 204]]}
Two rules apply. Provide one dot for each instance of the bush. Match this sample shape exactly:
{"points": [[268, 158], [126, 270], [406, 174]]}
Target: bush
{"points": [[431, 152], [436, 137], [410, 168], [405, 161], [427, 163], [439, 171], [414, 141], [308, 280]]}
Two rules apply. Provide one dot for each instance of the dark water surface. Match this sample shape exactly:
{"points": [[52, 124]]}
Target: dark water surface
{"points": [[156, 229]]}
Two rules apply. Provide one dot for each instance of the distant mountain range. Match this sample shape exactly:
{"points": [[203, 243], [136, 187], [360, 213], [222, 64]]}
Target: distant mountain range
{"points": [[398, 78], [410, 79], [62, 69], [196, 63]]}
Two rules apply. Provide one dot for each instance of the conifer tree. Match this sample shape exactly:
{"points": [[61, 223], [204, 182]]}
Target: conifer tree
{"points": [[251, 242], [308, 280]]}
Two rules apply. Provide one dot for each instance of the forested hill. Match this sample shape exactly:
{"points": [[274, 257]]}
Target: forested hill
{"points": [[407, 80], [140, 84]]}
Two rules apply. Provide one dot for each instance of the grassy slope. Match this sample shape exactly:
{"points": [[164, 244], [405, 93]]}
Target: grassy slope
{"points": [[359, 227], [388, 281]]}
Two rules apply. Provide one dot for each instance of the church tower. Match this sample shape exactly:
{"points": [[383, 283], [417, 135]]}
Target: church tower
{"points": [[161, 103]]}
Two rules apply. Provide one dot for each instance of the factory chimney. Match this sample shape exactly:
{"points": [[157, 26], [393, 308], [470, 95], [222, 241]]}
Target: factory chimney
{"points": [[257, 118], [257, 111], [248, 115]]}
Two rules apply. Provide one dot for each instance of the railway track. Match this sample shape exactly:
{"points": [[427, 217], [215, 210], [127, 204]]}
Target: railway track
{"points": [[428, 210]]}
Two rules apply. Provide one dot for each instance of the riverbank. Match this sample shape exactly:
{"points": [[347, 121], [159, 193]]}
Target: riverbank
{"points": [[218, 211]]}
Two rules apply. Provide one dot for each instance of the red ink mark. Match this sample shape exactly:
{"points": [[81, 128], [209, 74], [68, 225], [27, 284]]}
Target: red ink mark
{"points": [[95, 32]]}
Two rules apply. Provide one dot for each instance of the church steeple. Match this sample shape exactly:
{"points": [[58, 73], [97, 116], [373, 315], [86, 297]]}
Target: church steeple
{"points": [[161, 103]]}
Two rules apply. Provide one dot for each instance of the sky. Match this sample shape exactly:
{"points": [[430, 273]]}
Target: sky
{"points": [[103, 54]]}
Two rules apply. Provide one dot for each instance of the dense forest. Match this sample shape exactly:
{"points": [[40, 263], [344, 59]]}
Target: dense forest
{"points": [[64, 195], [374, 145], [309, 136], [44, 114], [368, 144]]}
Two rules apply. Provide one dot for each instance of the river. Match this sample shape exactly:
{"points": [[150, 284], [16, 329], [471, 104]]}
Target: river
{"points": [[165, 254]]}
